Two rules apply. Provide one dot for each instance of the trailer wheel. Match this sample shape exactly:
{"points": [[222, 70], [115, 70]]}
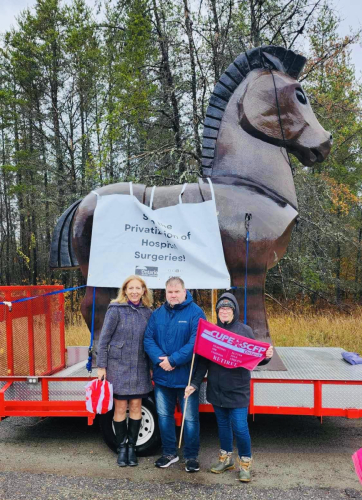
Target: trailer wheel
{"points": [[149, 435]]}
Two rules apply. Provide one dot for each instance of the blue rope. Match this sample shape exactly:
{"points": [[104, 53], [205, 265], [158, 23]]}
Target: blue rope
{"points": [[90, 348], [45, 294], [246, 276], [248, 218]]}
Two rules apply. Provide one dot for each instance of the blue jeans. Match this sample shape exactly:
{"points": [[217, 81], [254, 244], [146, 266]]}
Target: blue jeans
{"points": [[166, 398], [231, 420]]}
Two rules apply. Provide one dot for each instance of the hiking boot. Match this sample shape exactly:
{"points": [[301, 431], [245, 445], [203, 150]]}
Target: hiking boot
{"points": [[166, 461], [244, 468], [225, 462], [192, 465]]}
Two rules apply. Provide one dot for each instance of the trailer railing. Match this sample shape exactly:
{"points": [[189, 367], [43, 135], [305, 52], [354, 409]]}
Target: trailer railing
{"points": [[314, 408], [32, 338], [44, 397], [319, 407], [52, 396]]}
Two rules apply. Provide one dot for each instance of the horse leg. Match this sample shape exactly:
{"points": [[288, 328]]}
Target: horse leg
{"points": [[103, 296], [81, 242], [82, 233], [255, 290], [256, 313], [263, 255]]}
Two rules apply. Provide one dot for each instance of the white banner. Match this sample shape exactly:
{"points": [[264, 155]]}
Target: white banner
{"points": [[130, 238]]}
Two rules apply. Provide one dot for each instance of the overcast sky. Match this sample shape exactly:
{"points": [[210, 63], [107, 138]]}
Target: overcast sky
{"points": [[350, 11]]}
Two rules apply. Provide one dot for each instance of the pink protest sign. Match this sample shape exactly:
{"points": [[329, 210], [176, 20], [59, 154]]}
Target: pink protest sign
{"points": [[357, 460], [227, 348]]}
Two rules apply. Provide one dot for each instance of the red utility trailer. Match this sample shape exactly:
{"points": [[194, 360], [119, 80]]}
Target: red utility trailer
{"points": [[32, 352], [38, 379]]}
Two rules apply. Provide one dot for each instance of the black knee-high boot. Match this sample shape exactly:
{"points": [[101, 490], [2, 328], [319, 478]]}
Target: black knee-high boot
{"points": [[133, 430], [120, 429]]}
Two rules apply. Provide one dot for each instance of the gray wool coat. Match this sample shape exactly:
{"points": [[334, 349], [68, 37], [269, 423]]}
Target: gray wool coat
{"points": [[120, 349]]}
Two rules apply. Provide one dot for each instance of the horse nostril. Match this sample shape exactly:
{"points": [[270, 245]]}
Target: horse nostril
{"points": [[331, 138], [319, 156]]}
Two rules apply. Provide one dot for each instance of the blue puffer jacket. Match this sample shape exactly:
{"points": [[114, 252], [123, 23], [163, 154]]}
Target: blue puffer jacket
{"points": [[171, 331]]}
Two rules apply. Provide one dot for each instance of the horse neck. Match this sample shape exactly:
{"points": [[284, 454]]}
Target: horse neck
{"points": [[238, 154]]}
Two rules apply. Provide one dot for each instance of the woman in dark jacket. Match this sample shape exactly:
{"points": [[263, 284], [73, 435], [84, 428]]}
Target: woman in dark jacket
{"points": [[229, 392], [122, 360]]}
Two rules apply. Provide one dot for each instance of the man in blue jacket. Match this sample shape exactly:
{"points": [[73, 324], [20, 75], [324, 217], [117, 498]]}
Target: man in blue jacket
{"points": [[169, 342]]}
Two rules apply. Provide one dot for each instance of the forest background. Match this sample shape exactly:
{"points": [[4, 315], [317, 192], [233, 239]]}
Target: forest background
{"points": [[118, 93]]}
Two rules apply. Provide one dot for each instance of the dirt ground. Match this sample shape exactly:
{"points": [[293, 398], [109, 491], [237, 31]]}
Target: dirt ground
{"points": [[291, 453]]}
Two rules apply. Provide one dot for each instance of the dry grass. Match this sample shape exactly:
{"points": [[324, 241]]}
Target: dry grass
{"points": [[317, 331], [327, 330], [77, 334]]}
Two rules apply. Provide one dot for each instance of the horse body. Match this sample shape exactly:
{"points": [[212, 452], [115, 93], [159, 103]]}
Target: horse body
{"points": [[253, 119]]}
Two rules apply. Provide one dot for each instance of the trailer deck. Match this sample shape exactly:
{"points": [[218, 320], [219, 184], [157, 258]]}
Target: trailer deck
{"points": [[34, 380], [317, 382]]}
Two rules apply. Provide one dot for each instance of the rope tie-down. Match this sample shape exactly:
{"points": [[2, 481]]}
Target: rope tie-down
{"points": [[24, 299], [248, 217], [90, 348]]}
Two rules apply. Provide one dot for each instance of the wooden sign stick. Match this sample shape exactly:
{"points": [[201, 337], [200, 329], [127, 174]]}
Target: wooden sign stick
{"points": [[185, 407]]}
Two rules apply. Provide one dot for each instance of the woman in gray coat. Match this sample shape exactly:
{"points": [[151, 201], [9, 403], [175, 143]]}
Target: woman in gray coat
{"points": [[122, 360]]}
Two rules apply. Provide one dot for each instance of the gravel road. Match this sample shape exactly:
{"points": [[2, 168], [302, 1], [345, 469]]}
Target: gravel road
{"points": [[295, 458]]}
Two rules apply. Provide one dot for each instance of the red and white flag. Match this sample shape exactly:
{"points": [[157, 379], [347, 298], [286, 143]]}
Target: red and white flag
{"points": [[99, 396], [227, 348]]}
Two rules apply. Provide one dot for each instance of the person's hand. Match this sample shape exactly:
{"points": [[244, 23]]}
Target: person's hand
{"points": [[189, 390], [102, 374], [151, 374], [269, 352], [165, 364]]}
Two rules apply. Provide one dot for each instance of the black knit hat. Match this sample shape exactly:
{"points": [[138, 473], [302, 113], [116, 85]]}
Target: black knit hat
{"points": [[225, 303]]}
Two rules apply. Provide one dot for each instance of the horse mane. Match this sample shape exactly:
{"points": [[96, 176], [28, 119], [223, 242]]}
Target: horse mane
{"points": [[268, 56]]}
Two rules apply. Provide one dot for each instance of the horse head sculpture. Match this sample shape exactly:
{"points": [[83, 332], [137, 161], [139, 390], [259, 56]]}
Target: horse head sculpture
{"points": [[257, 114], [258, 99]]}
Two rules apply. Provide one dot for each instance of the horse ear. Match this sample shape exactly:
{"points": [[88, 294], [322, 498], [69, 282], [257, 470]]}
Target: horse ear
{"points": [[273, 62]]}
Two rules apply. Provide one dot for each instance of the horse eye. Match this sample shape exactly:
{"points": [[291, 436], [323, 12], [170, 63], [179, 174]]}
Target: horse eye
{"points": [[301, 96]]}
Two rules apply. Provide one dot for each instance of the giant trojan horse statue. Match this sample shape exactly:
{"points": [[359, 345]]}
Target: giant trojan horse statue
{"points": [[257, 114]]}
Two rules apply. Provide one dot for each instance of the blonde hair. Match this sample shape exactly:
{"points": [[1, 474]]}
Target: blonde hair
{"points": [[147, 298]]}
